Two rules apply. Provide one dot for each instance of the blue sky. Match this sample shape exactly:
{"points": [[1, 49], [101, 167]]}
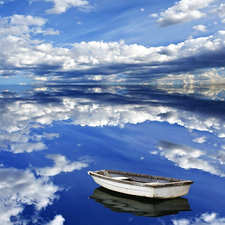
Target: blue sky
{"points": [[112, 41]]}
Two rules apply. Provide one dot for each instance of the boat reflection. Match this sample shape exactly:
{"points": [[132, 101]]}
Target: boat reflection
{"points": [[139, 206]]}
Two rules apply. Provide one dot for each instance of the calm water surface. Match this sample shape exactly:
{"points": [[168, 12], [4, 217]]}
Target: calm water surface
{"points": [[51, 136]]}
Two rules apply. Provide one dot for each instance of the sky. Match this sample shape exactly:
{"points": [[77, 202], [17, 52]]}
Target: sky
{"points": [[99, 41]]}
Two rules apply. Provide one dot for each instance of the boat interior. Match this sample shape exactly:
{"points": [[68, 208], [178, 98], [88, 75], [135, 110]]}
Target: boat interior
{"points": [[117, 175]]}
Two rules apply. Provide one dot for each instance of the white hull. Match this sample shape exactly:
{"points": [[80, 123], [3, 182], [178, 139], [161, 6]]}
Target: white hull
{"points": [[166, 189]]}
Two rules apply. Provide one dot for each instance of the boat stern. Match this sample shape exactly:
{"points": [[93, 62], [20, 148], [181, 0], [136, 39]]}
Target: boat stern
{"points": [[172, 191]]}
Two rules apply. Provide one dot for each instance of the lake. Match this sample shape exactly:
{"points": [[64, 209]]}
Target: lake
{"points": [[51, 136]]}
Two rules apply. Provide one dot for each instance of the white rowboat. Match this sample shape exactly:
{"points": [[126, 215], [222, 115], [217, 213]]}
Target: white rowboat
{"points": [[140, 184]]}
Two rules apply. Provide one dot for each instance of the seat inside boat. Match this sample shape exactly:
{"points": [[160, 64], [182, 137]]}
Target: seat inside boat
{"points": [[141, 179], [120, 178]]}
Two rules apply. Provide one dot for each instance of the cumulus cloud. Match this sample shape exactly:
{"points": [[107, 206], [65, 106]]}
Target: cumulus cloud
{"points": [[85, 59], [220, 10], [200, 140], [200, 28], [220, 156], [100, 58], [154, 15], [61, 6], [20, 25], [27, 20], [183, 11]]}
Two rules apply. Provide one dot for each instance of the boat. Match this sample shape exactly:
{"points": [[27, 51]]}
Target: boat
{"points": [[139, 206], [140, 184]]}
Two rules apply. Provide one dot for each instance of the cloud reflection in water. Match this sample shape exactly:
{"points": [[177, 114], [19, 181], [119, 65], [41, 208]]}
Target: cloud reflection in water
{"points": [[190, 158], [25, 116], [20, 188], [22, 115], [204, 219], [61, 165]]}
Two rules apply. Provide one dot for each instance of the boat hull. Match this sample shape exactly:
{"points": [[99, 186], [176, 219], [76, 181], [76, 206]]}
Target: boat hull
{"points": [[143, 189]]}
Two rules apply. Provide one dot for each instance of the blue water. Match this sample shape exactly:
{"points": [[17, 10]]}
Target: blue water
{"points": [[50, 137]]}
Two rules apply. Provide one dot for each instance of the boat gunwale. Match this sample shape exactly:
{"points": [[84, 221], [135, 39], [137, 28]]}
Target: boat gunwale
{"points": [[172, 181]]}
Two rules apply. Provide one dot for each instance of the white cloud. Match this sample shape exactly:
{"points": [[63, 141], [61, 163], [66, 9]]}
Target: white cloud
{"points": [[220, 156], [154, 15], [5, 1], [27, 20], [24, 26], [20, 50], [200, 28], [200, 140], [45, 32], [61, 6], [61, 165], [95, 55], [183, 11], [220, 10]]}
